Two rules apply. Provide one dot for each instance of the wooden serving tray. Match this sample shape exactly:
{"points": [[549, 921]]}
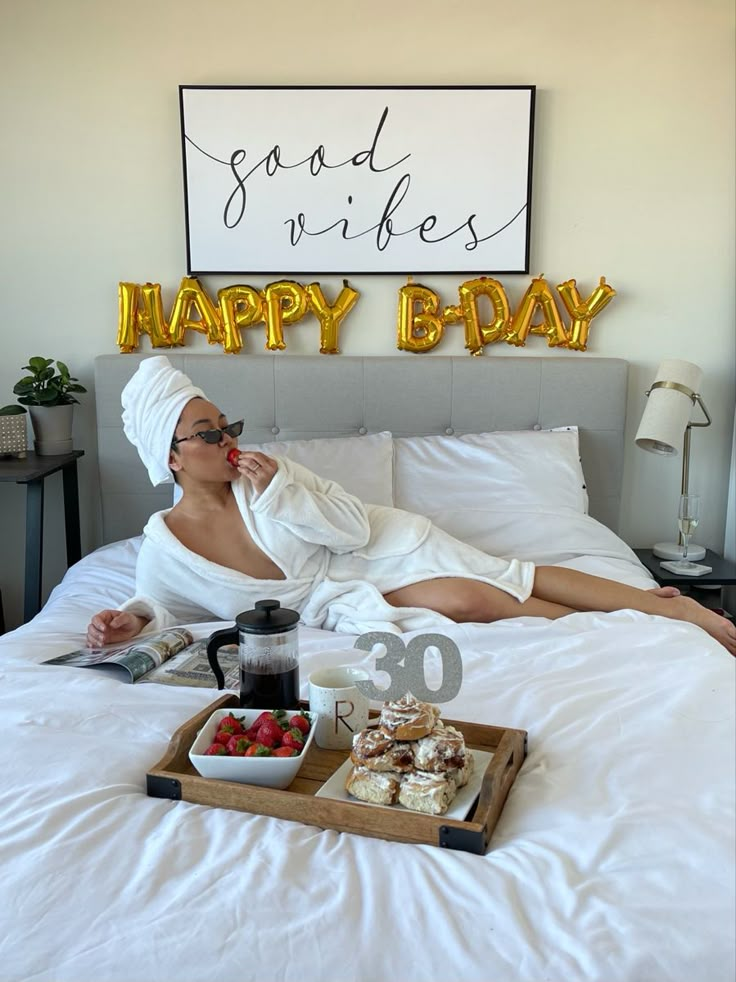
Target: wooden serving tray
{"points": [[174, 777]]}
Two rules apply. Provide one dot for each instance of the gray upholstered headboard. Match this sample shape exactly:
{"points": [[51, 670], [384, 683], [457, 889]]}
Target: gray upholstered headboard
{"points": [[288, 397]]}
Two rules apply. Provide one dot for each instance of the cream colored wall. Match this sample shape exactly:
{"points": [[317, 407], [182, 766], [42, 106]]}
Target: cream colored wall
{"points": [[633, 179]]}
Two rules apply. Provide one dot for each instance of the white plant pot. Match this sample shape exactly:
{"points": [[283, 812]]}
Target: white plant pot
{"points": [[52, 429]]}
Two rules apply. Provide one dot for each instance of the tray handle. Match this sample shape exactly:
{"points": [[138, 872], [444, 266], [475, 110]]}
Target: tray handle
{"points": [[501, 773]]}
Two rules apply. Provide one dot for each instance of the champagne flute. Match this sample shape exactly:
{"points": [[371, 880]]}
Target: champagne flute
{"points": [[688, 516]]}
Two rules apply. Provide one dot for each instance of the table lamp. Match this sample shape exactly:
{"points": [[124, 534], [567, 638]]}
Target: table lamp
{"points": [[666, 421]]}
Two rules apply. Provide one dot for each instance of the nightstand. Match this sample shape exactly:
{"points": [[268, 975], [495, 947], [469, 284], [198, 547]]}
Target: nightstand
{"points": [[33, 471], [724, 574]]}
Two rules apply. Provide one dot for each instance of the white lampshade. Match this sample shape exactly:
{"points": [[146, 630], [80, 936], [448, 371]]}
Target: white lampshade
{"points": [[665, 428], [668, 410]]}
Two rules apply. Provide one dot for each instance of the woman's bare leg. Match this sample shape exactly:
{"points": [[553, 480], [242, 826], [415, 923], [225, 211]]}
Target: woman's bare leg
{"points": [[564, 586], [557, 591], [472, 601], [561, 585]]}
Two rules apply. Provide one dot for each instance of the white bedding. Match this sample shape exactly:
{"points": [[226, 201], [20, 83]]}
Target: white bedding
{"points": [[613, 859]]}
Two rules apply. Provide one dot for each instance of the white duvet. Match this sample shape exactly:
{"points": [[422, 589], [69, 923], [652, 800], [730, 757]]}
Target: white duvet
{"points": [[613, 859]]}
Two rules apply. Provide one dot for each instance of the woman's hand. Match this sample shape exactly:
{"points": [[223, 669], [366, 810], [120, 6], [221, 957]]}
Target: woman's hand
{"points": [[257, 468], [113, 626]]}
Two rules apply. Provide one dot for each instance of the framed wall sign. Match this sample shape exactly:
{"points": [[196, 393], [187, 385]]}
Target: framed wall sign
{"points": [[363, 179]]}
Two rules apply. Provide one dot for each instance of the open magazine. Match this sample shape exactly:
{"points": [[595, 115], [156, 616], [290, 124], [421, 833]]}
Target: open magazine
{"points": [[172, 657]]}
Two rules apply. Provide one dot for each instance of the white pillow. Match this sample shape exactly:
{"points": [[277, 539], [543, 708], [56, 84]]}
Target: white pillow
{"points": [[543, 537], [516, 494], [518, 471], [363, 465]]}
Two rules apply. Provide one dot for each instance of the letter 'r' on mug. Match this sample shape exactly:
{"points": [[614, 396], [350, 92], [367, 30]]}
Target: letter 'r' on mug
{"points": [[342, 708]]}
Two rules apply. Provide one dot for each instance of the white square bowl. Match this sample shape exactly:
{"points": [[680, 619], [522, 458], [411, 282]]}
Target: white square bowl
{"points": [[267, 772]]}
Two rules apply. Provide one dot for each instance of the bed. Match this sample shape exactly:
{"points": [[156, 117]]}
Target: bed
{"points": [[613, 858]]}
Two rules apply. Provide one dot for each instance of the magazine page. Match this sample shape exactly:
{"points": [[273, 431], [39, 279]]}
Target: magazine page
{"points": [[191, 667], [130, 661]]}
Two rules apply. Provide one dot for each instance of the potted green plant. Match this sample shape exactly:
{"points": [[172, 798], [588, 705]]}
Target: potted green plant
{"points": [[13, 432], [49, 394]]}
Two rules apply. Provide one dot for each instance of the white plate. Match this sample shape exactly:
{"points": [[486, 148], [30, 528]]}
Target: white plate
{"points": [[461, 805]]}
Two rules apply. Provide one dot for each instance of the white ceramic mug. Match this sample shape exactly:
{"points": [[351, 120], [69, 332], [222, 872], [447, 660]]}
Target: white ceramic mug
{"points": [[342, 708]]}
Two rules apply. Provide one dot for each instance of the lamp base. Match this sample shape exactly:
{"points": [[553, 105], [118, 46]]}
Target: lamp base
{"points": [[671, 550]]}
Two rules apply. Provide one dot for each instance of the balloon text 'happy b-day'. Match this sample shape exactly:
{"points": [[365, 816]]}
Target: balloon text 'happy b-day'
{"points": [[421, 319]]}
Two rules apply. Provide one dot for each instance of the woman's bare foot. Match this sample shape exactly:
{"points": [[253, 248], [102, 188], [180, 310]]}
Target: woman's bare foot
{"points": [[665, 591], [720, 628]]}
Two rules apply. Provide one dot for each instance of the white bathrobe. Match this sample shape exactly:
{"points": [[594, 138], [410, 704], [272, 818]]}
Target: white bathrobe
{"points": [[338, 557]]}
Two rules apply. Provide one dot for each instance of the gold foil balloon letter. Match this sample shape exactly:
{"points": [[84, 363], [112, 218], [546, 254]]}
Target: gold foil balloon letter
{"points": [[538, 297], [191, 299], [582, 311], [418, 331], [285, 303], [140, 311], [330, 317], [240, 307], [478, 334]]}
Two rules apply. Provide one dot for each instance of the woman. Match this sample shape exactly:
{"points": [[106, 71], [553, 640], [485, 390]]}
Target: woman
{"points": [[270, 527]]}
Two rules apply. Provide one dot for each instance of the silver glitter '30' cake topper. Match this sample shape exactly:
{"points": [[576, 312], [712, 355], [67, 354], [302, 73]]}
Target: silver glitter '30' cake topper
{"points": [[404, 664]]}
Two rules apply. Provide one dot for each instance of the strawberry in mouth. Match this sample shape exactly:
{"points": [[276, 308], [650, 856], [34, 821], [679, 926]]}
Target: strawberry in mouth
{"points": [[233, 456]]}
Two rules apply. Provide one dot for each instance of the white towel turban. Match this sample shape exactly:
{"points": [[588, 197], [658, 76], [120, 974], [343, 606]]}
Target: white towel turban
{"points": [[152, 402]]}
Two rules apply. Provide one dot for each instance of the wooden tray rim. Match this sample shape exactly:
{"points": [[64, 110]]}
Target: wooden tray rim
{"points": [[163, 780]]}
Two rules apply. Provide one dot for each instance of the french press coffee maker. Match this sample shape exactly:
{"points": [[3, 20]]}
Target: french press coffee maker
{"points": [[268, 652]]}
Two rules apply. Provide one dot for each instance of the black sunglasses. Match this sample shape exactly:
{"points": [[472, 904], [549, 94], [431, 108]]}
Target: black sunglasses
{"points": [[214, 436]]}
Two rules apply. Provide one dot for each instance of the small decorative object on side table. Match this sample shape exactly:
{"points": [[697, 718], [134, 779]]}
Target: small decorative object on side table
{"points": [[13, 431], [723, 574]]}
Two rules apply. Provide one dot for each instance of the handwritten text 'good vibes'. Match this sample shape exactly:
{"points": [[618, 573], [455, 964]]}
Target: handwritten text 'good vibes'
{"points": [[385, 229]]}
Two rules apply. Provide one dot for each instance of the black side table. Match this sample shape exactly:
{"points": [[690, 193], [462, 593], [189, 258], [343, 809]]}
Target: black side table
{"points": [[33, 471], [724, 572]]}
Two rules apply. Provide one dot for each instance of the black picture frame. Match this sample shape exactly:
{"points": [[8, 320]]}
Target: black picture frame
{"points": [[365, 180]]}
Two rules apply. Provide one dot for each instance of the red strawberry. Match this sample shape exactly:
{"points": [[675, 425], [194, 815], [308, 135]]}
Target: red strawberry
{"points": [[285, 752], [232, 722], [233, 456], [224, 736], [300, 722], [238, 745], [293, 738], [271, 730], [266, 740], [252, 733], [261, 719], [279, 715], [216, 750], [258, 750]]}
